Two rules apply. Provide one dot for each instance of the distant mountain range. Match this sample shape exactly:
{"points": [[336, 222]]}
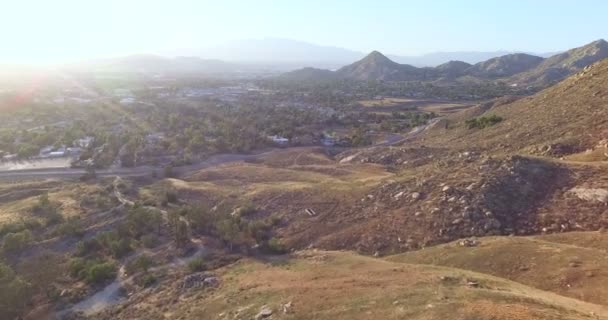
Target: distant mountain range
{"points": [[517, 68], [297, 54]]}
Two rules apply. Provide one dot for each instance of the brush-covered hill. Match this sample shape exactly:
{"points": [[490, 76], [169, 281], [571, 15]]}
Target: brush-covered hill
{"points": [[453, 69], [567, 118], [376, 66], [504, 66], [309, 74], [560, 66]]}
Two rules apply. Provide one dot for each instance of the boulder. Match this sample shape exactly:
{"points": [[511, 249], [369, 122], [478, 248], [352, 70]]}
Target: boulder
{"points": [[264, 313], [590, 194], [199, 280]]}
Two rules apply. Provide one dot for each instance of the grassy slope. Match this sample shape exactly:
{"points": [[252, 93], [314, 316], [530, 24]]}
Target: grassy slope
{"points": [[571, 111], [572, 264], [343, 285]]}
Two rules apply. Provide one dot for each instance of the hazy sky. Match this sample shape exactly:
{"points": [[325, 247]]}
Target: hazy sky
{"points": [[61, 30]]}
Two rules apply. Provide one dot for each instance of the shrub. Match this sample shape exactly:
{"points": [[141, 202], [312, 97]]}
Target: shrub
{"points": [[72, 227], [100, 272], [196, 265], [150, 241], [92, 271], [85, 247], [276, 246], [140, 264], [147, 280], [14, 227], [17, 241], [483, 122], [48, 210], [120, 248], [15, 293]]}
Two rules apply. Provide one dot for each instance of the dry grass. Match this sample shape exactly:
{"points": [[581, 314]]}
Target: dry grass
{"points": [[386, 102], [570, 264], [342, 285]]}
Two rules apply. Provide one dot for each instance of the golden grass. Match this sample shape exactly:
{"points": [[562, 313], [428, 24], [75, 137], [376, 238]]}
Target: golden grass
{"points": [[343, 285], [571, 264]]}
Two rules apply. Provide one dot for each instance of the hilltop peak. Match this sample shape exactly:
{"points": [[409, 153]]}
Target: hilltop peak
{"points": [[377, 56]]}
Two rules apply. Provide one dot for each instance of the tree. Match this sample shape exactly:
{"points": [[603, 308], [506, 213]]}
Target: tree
{"points": [[179, 229], [228, 230]]}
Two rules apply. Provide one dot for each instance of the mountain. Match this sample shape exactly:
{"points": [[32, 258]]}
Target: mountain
{"points": [[437, 58], [453, 69], [376, 66], [505, 66], [520, 68], [293, 54], [559, 66], [309, 74], [289, 53]]}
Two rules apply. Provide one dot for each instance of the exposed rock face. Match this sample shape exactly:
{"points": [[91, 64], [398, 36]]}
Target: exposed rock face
{"points": [[200, 280], [593, 195]]}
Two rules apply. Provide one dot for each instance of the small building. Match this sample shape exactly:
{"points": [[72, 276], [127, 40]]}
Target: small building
{"points": [[84, 142], [281, 141]]}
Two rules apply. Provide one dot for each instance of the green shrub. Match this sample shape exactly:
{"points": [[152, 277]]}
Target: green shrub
{"points": [[14, 227], [120, 248], [150, 241], [92, 271], [196, 265], [72, 227], [88, 246], [140, 264], [17, 241], [100, 272], [483, 122], [147, 280], [15, 293], [47, 210], [276, 246]]}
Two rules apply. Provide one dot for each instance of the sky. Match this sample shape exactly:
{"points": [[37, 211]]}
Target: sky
{"points": [[46, 31]]}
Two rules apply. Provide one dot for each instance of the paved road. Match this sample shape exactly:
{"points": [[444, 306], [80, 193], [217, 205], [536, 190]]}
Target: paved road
{"points": [[129, 172], [210, 162]]}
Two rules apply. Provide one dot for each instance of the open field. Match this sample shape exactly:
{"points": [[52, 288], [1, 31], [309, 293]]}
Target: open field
{"points": [[387, 105]]}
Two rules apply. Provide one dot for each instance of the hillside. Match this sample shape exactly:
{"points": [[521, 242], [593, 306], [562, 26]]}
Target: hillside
{"points": [[309, 74], [559, 66], [453, 69], [567, 118], [504, 66], [342, 285], [376, 66]]}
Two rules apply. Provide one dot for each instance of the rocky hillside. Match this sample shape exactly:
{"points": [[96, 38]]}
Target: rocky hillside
{"points": [[379, 67], [561, 65], [504, 66], [567, 118], [453, 69]]}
